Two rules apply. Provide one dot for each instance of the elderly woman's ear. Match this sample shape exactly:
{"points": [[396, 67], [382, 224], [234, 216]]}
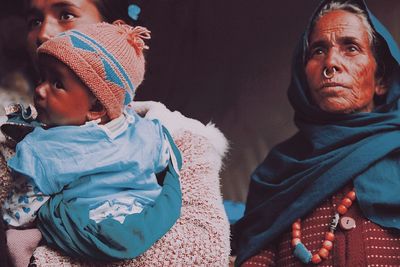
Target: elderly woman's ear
{"points": [[380, 89]]}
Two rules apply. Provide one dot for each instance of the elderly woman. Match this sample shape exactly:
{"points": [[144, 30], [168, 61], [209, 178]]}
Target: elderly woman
{"points": [[330, 194]]}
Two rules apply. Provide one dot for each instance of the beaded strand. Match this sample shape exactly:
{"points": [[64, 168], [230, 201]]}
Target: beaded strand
{"points": [[302, 253]]}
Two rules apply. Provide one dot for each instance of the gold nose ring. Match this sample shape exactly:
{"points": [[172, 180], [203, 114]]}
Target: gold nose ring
{"points": [[329, 73]]}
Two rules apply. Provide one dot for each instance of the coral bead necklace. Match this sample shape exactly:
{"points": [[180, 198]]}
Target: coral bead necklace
{"points": [[302, 253]]}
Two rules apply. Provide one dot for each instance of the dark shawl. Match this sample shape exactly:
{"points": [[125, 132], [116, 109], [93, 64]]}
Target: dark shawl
{"points": [[327, 152]]}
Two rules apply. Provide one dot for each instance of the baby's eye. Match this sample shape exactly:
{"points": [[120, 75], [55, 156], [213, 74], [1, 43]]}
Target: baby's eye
{"points": [[67, 16], [58, 85]]}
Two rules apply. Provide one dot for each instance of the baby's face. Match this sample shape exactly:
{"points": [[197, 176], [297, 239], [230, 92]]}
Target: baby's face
{"points": [[61, 98]]}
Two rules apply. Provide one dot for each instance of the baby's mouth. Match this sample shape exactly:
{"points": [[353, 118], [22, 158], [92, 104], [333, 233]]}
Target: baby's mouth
{"points": [[41, 115]]}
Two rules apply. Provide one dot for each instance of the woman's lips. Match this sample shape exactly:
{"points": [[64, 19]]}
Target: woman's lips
{"points": [[332, 89], [332, 85]]}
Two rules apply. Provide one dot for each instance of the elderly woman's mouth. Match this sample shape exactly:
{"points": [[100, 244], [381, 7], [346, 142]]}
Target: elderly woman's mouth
{"points": [[333, 86]]}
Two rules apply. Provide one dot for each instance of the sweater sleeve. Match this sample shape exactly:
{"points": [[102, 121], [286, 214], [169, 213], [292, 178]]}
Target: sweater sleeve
{"points": [[27, 163]]}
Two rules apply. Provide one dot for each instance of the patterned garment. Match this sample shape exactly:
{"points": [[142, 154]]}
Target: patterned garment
{"points": [[22, 203], [366, 245]]}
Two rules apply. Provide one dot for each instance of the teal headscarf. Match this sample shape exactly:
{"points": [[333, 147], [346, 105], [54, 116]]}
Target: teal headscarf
{"points": [[328, 152]]}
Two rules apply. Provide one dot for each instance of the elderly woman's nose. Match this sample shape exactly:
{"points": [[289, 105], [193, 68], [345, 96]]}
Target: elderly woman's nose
{"points": [[333, 59], [48, 29]]}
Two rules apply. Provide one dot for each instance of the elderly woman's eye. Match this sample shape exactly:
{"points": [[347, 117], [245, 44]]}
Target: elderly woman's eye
{"points": [[316, 52], [352, 48]]}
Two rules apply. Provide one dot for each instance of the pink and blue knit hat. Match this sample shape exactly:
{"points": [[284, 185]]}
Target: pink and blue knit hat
{"points": [[108, 59]]}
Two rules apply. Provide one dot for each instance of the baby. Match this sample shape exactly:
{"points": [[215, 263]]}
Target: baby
{"points": [[95, 156]]}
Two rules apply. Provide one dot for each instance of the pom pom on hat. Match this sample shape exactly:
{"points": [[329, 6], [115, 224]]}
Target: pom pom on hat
{"points": [[135, 36], [108, 58]]}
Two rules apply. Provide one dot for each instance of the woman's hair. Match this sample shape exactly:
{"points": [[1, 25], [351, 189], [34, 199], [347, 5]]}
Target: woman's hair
{"points": [[379, 49]]}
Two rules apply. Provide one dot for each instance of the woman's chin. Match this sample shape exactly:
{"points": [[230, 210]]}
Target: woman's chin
{"points": [[336, 108], [345, 108]]}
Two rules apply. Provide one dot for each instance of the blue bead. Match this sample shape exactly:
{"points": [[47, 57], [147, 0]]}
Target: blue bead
{"points": [[302, 253]]}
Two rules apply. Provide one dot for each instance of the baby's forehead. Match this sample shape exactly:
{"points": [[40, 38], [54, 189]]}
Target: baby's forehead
{"points": [[51, 63]]}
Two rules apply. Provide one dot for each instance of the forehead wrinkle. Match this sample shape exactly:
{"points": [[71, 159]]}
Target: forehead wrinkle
{"points": [[338, 21], [339, 38], [338, 34], [335, 27]]}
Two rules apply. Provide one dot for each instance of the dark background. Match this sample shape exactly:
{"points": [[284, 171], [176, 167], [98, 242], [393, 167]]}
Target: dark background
{"points": [[222, 61]]}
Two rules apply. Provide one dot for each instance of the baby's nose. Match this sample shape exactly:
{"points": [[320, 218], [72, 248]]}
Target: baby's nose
{"points": [[41, 90]]}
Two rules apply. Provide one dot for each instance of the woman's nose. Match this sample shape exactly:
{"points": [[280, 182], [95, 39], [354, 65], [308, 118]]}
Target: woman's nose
{"points": [[48, 29], [333, 60]]}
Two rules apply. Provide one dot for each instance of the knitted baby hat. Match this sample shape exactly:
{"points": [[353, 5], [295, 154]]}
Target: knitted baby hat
{"points": [[108, 58]]}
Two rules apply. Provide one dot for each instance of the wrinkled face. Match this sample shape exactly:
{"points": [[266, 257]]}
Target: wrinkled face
{"points": [[61, 98], [339, 43], [47, 18]]}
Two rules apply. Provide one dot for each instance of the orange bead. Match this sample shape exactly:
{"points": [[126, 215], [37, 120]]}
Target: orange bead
{"points": [[351, 195], [347, 202], [327, 244], [341, 209], [295, 241], [316, 259], [330, 236], [296, 234], [296, 226], [323, 253]]}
